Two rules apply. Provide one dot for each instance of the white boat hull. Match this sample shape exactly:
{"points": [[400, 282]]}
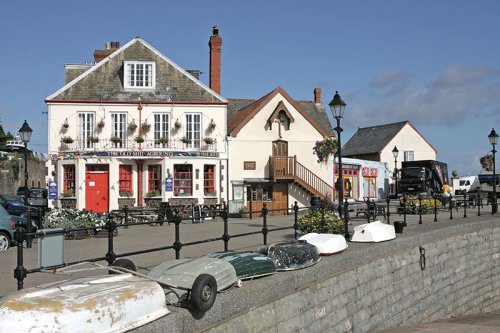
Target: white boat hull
{"points": [[373, 232], [107, 303], [327, 244]]}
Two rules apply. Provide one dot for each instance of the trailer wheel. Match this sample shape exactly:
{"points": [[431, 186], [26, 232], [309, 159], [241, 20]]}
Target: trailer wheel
{"points": [[124, 263], [203, 292]]}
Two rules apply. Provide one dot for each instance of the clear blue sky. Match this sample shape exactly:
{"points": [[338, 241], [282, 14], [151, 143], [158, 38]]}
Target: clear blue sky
{"points": [[435, 63]]}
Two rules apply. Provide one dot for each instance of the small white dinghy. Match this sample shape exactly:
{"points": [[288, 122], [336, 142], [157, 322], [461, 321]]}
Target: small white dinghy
{"points": [[327, 244], [106, 303], [373, 232]]}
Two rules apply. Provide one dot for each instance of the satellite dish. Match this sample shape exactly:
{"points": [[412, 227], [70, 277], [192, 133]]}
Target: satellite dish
{"points": [[454, 173]]}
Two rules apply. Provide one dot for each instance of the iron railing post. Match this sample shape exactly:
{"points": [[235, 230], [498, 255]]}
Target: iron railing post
{"points": [[265, 230], [20, 271], [177, 243], [110, 226], [225, 218], [296, 220], [388, 213], [420, 209], [435, 208]]}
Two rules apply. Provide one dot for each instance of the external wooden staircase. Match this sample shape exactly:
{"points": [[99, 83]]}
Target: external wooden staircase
{"points": [[287, 168]]}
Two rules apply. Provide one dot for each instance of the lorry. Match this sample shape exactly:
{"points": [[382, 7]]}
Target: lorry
{"points": [[425, 176]]}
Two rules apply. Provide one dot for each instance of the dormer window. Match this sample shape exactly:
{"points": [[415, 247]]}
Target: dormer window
{"points": [[139, 75]]}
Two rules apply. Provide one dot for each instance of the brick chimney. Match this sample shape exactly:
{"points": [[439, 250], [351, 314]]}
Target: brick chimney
{"points": [[215, 47], [317, 95], [110, 47]]}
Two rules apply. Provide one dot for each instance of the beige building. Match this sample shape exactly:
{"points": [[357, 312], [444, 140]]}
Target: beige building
{"points": [[270, 147]]}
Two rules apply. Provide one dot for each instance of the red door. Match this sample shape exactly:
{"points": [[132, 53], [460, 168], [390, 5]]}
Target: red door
{"points": [[97, 188]]}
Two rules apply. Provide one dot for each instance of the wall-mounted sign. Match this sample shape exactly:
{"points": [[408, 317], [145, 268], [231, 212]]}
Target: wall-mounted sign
{"points": [[131, 153], [53, 193], [169, 184], [249, 165]]}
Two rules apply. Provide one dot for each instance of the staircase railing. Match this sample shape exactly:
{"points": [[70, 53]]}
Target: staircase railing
{"points": [[288, 168]]}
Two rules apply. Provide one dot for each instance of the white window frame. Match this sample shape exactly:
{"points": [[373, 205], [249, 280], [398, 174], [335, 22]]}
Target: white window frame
{"points": [[146, 79], [161, 126], [193, 129], [409, 155], [86, 128], [119, 127]]}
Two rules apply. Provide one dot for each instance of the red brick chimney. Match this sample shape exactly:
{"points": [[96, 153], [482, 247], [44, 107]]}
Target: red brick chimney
{"points": [[102, 54], [317, 95], [215, 46]]}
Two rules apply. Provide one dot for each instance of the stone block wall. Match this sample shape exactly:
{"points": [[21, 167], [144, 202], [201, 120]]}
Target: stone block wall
{"points": [[375, 286]]}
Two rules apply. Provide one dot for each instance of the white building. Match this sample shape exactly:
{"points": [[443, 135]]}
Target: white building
{"points": [[136, 124]]}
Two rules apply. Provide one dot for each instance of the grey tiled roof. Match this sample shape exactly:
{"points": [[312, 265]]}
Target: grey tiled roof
{"points": [[105, 80], [317, 111], [371, 139]]}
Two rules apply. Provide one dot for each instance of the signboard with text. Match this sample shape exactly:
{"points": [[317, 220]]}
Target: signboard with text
{"points": [[53, 193]]}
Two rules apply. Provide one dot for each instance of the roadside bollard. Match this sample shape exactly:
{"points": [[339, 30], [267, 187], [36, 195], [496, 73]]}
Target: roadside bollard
{"points": [[177, 243], [435, 208], [296, 220], [20, 271], [404, 209], [450, 204], [465, 204], [110, 226], [265, 231], [420, 209], [478, 201], [225, 236], [388, 213]]}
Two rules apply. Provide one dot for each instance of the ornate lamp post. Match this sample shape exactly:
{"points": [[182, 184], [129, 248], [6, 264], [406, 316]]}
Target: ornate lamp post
{"points": [[25, 133], [493, 137], [337, 106], [395, 153]]}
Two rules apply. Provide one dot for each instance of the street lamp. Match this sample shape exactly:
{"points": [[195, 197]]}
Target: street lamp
{"points": [[25, 134], [337, 106], [395, 153], [493, 137]]}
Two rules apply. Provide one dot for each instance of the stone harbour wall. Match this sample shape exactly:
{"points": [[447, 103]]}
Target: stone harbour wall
{"points": [[368, 287]]}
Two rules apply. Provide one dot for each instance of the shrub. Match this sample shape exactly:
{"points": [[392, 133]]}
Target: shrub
{"points": [[311, 222], [72, 218]]}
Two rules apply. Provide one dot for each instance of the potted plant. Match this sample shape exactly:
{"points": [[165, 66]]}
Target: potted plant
{"points": [[145, 126], [208, 140], [92, 139], [132, 127], [68, 193], [211, 126], [139, 139], [67, 139], [153, 193], [177, 125], [100, 124], [186, 140], [125, 194], [161, 141], [115, 139]]}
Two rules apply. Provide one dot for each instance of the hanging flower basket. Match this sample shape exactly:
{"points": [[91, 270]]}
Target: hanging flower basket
{"points": [[145, 127], [65, 125], [177, 125], [161, 141], [208, 140], [115, 139], [487, 162], [186, 140], [100, 124], [92, 139], [139, 139], [323, 149], [211, 126], [67, 139], [132, 127]]}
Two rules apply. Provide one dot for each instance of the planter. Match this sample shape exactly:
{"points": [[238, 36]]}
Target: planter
{"points": [[152, 202], [122, 202], [68, 203]]}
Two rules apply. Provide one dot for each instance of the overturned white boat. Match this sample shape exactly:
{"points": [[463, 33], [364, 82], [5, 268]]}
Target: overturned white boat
{"points": [[106, 303], [327, 244], [373, 232]]}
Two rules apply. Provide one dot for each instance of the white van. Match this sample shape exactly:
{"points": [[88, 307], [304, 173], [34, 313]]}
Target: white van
{"points": [[468, 184]]}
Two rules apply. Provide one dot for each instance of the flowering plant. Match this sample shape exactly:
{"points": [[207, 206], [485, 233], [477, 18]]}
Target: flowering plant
{"points": [[311, 222], [72, 218], [323, 149], [487, 162]]}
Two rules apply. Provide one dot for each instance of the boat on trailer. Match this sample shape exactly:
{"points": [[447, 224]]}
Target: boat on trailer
{"points": [[181, 278], [373, 232], [291, 255], [106, 303], [327, 244], [247, 264]]}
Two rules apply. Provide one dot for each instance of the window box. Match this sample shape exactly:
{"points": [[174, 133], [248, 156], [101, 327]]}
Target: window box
{"points": [[186, 140], [161, 141], [69, 203], [129, 202], [208, 140], [92, 139]]}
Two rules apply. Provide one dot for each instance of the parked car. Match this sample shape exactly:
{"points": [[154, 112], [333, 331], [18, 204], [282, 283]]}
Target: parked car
{"points": [[15, 206], [37, 197], [13, 199], [8, 226], [21, 190]]}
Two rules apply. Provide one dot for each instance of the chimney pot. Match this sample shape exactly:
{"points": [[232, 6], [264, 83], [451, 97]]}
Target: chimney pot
{"points": [[215, 44], [317, 95], [107, 46]]}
